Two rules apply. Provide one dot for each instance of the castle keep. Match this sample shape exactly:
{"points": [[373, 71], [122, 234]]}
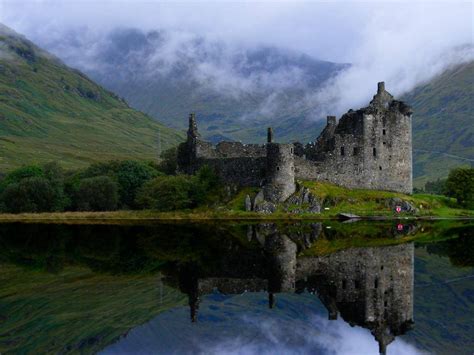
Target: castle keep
{"points": [[368, 148]]}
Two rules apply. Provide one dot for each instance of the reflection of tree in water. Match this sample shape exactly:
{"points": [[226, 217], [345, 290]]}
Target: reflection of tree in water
{"points": [[460, 250]]}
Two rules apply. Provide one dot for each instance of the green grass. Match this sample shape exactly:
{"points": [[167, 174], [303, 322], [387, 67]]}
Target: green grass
{"points": [[51, 112], [373, 203]]}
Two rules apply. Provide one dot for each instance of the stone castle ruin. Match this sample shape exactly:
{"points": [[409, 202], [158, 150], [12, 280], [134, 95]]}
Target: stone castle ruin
{"points": [[369, 148]]}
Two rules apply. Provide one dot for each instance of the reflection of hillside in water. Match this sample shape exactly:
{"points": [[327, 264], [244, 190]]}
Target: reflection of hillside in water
{"points": [[368, 287]]}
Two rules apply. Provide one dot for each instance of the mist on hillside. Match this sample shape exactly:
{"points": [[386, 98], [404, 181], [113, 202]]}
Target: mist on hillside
{"points": [[276, 54]]}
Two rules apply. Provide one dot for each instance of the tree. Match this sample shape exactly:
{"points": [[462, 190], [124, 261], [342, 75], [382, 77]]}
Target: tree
{"points": [[34, 194], [130, 176], [437, 187], [166, 193], [169, 161], [97, 194], [206, 188], [460, 185], [21, 173]]}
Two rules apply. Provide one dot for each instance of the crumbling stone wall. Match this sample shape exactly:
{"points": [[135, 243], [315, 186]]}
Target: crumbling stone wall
{"points": [[368, 148]]}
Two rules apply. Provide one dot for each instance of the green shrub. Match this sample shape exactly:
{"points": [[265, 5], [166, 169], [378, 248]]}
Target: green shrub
{"points": [[34, 194], [166, 193], [97, 194], [130, 176], [460, 185], [169, 193]]}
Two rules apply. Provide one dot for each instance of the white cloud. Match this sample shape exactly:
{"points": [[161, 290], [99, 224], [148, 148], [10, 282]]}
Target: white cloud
{"points": [[318, 335], [401, 43]]}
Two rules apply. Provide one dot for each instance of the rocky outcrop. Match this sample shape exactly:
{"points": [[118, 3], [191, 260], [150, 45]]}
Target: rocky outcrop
{"points": [[405, 206], [302, 201]]}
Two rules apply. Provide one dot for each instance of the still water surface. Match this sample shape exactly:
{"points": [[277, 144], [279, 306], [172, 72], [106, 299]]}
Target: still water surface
{"points": [[301, 288]]}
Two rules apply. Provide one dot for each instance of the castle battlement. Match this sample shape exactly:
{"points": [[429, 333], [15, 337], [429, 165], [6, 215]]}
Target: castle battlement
{"points": [[368, 148]]}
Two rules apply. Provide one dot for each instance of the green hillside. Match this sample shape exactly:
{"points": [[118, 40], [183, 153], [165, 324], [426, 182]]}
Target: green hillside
{"points": [[443, 123], [51, 112]]}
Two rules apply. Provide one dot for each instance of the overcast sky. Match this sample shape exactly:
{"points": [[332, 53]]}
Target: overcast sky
{"points": [[335, 30], [403, 43]]}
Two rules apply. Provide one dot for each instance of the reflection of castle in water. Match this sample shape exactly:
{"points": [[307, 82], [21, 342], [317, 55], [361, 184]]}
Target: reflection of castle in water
{"points": [[370, 287]]}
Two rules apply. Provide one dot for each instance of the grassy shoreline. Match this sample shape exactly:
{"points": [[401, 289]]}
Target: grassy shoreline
{"points": [[201, 215], [367, 204]]}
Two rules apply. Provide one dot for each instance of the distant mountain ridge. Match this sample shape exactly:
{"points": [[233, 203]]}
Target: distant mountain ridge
{"points": [[235, 93], [51, 112]]}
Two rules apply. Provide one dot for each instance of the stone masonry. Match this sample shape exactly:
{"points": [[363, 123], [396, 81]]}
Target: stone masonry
{"points": [[368, 148]]}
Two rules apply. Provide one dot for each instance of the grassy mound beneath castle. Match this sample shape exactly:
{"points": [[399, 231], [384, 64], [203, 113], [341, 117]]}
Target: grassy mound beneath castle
{"points": [[362, 202]]}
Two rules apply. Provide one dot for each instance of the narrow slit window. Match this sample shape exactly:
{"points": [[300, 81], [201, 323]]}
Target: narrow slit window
{"points": [[374, 152], [356, 151], [384, 132], [356, 284], [376, 283], [344, 284], [342, 151], [278, 168], [380, 168]]}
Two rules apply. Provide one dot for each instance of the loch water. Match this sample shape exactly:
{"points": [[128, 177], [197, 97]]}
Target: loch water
{"points": [[395, 287]]}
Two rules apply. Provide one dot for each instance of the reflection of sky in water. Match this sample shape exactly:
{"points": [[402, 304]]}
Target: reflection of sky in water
{"points": [[244, 324]]}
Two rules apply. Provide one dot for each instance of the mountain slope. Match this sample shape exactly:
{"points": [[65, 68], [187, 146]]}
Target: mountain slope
{"points": [[51, 112], [443, 123], [236, 92]]}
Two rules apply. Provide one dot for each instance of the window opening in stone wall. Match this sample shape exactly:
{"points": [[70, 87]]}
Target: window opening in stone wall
{"points": [[384, 143], [342, 150], [384, 132], [376, 283], [374, 152], [356, 284], [356, 151], [380, 168], [291, 150], [343, 284], [278, 168]]}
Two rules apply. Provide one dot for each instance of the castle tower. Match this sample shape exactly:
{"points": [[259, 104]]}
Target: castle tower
{"points": [[192, 129], [280, 173], [387, 141]]}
